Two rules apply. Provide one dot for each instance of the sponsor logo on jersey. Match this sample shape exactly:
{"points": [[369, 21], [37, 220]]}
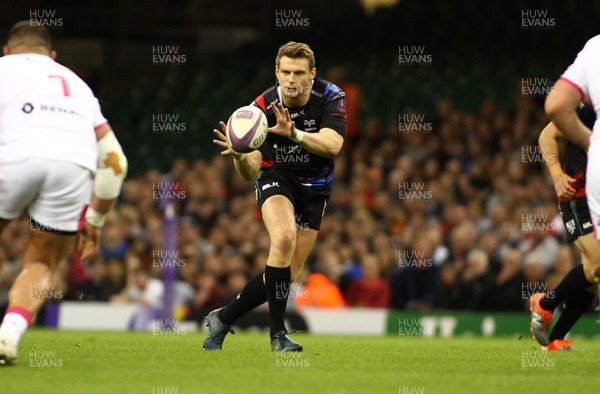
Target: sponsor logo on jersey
{"points": [[27, 108], [310, 123], [54, 108], [296, 114], [270, 185], [587, 225], [319, 95]]}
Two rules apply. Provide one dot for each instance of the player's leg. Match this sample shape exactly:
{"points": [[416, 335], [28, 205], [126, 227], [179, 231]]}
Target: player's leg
{"points": [[578, 279], [61, 195], [305, 240], [268, 186], [254, 293], [219, 321], [590, 249], [280, 220], [309, 223], [278, 215], [574, 306], [43, 252], [310, 208], [18, 186], [576, 215]]}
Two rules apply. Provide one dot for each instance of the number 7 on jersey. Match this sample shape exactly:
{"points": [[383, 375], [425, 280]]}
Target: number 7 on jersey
{"points": [[63, 82]]}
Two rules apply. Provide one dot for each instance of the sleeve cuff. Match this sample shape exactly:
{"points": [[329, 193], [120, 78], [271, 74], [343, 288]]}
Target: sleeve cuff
{"points": [[581, 93]]}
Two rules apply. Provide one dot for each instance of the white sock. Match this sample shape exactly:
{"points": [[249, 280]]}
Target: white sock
{"points": [[15, 325]]}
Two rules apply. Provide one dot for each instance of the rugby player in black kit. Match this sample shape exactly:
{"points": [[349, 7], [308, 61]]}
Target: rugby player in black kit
{"points": [[292, 173], [574, 290]]}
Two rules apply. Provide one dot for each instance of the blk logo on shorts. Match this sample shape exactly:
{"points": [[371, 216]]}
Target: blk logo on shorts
{"points": [[570, 225]]}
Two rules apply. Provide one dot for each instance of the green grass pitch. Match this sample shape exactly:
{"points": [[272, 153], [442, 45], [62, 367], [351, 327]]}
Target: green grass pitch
{"points": [[116, 362]]}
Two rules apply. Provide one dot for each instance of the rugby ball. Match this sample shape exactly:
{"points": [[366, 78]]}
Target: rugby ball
{"points": [[247, 129]]}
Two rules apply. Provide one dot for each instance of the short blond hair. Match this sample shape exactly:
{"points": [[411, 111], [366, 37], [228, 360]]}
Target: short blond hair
{"points": [[296, 50]]}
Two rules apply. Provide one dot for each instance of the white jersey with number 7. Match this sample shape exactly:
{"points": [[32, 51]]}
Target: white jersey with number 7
{"points": [[46, 111]]}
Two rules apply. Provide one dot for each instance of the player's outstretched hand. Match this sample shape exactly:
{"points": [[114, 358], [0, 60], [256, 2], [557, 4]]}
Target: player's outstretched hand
{"points": [[89, 241], [223, 142], [562, 185], [285, 124]]}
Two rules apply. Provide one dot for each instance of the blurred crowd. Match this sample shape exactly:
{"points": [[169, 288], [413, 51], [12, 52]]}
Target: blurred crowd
{"points": [[446, 210]]}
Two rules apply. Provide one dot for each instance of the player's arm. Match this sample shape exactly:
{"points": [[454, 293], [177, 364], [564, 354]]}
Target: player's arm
{"points": [[112, 168], [548, 142], [561, 106], [327, 142], [246, 164]]}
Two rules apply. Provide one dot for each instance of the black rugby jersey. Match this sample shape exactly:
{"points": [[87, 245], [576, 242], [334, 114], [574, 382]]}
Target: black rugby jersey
{"points": [[326, 107]]}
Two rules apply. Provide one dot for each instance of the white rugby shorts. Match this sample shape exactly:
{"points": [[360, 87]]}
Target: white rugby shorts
{"points": [[55, 193]]}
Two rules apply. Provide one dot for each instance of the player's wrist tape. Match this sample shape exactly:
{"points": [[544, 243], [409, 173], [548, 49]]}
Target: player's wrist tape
{"points": [[112, 168], [298, 137], [241, 157], [94, 217]]}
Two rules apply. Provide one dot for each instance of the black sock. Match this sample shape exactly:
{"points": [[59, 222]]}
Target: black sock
{"points": [[253, 295], [575, 306], [277, 283], [570, 285]]}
